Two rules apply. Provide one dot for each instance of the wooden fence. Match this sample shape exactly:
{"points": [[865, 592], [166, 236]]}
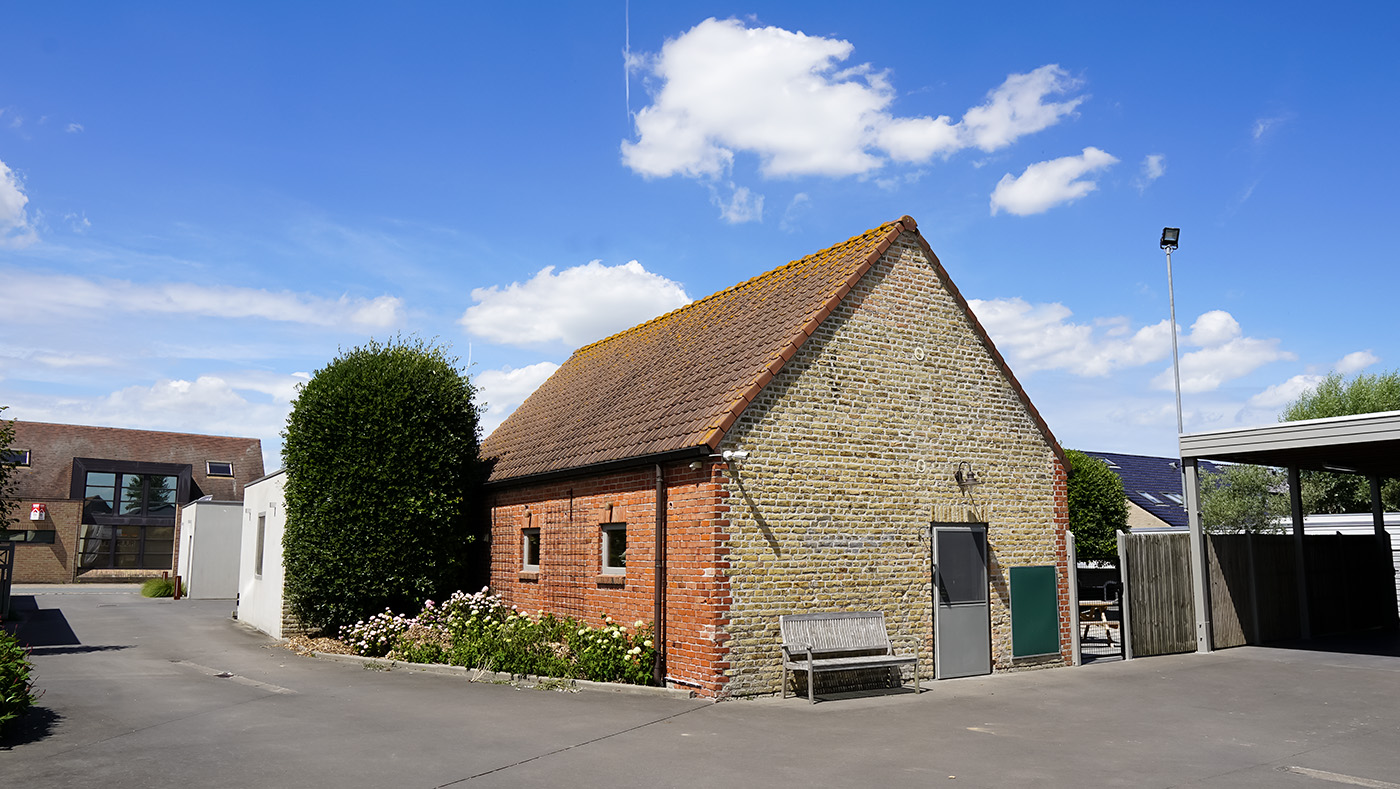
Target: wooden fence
{"points": [[1254, 588], [1157, 584]]}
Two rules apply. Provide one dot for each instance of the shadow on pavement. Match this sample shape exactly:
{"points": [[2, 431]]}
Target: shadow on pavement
{"points": [[39, 627], [1384, 643], [34, 725]]}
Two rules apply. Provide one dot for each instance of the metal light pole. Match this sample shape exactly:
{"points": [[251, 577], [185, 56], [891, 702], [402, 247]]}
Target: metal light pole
{"points": [[1170, 236]]}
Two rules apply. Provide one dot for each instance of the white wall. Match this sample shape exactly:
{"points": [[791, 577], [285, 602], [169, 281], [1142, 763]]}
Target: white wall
{"points": [[210, 532], [260, 595]]}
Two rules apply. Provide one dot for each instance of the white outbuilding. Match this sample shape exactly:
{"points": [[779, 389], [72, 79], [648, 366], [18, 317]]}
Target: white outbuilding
{"points": [[260, 578], [210, 532]]}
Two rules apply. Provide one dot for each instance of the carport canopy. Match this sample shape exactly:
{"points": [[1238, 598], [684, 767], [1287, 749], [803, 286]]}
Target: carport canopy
{"points": [[1365, 444]]}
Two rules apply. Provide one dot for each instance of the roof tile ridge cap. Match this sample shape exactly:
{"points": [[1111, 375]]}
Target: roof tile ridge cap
{"points": [[733, 288], [720, 426]]}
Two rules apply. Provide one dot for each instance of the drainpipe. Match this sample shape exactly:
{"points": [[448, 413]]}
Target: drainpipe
{"points": [[658, 669]]}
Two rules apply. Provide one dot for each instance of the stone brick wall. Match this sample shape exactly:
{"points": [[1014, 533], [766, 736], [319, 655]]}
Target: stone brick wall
{"points": [[569, 582], [852, 452]]}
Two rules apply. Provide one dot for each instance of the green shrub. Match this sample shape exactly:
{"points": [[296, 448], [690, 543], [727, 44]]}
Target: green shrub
{"points": [[16, 688], [158, 587], [479, 631], [1098, 508], [381, 453]]}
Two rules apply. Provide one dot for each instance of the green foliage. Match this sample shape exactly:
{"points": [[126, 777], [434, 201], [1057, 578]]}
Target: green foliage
{"points": [[7, 435], [1098, 508], [383, 472], [16, 687], [1244, 498], [1328, 492], [479, 631], [158, 587]]}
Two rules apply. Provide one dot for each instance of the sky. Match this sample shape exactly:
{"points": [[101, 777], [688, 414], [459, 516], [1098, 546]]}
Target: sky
{"points": [[203, 204]]}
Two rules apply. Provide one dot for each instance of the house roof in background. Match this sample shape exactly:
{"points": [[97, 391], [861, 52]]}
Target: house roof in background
{"points": [[53, 447], [679, 382], [1152, 483]]}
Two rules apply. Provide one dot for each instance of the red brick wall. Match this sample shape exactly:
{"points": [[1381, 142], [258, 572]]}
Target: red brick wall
{"points": [[569, 514]]}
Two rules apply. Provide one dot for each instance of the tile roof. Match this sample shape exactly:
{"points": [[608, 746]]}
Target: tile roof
{"points": [[680, 381], [53, 446], [1152, 482]]}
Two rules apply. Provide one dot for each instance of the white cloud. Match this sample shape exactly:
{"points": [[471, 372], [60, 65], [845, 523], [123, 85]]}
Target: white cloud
{"points": [[1041, 337], [1224, 356], [1355, 361], [78, 223], [742, 206], [1279, 395], [253, 404], [782, 96], [575, 306], [1047, 184], [502, 391], [1154, 166], [74, 128], [62, 294], [801, 203], [1262, 126], [15, 227], [1018, 108]]}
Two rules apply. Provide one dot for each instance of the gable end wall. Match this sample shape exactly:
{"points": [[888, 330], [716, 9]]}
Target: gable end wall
{"points": [[852, 452]]}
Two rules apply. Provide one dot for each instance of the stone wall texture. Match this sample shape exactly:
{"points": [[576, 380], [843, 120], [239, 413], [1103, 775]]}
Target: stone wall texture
{"points": [[852, 450]]}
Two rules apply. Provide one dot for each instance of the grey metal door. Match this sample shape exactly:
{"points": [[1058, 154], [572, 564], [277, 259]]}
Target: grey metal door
{"points": [[962, 625]]}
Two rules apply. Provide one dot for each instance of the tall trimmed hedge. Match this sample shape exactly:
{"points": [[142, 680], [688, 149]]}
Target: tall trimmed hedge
{"points": [[383, 473], [1098, 507]]}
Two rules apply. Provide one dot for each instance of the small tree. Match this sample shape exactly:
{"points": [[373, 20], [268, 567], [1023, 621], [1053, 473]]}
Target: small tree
{"points": [[1098, 508], [1328, 492], [381, 454], [1244, 498], [7, 436]]}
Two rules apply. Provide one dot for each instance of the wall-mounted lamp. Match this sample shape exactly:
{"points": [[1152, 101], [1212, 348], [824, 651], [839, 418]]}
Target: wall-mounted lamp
{"points": [[966, 480], [696, 465], [734, 454]]}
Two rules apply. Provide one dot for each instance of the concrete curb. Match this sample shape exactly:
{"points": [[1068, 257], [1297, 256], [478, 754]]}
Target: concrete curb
{"points": [[498, 678]]}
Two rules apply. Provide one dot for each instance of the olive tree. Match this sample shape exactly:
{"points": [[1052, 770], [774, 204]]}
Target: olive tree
{"points": [[1328, 492], [1244, 498], [383, 472], [1098, 508]]}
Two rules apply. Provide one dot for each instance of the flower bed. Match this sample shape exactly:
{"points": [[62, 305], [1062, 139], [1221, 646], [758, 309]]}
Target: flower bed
{"points": [[479, 631]]}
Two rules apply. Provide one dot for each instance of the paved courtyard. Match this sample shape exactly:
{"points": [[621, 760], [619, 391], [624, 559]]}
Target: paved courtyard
{"points": [[156, 693]]}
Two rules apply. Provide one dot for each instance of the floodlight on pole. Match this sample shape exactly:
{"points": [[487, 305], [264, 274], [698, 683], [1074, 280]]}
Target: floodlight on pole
{"points": [[1170, 237]]}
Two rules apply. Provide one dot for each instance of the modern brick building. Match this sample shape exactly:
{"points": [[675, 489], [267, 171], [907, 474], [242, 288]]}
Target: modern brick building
{"points": [[803, 441], [101, 503]]}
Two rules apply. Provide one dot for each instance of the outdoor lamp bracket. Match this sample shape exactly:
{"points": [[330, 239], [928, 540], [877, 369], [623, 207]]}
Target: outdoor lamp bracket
{"points": [[966, 480]]}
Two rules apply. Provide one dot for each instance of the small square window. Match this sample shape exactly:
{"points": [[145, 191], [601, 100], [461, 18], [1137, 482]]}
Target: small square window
{"points": [[614, 545], [14, 457], [1175, 498], [530, 550], [1149, 497], [215, 468]]}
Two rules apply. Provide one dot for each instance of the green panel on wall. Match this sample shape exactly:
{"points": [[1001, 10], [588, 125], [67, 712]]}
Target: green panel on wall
{"points": [[1035, 612]]}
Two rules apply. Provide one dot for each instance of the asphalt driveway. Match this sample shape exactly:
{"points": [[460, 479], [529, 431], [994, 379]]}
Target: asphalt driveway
{"points": [[156, 693]]}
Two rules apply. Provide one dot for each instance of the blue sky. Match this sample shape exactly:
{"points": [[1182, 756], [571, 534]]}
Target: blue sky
{"points": [[200, 204]]}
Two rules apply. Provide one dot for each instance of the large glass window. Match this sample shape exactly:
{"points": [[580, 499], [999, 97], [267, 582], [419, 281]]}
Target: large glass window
{"points": [[129, 497]]}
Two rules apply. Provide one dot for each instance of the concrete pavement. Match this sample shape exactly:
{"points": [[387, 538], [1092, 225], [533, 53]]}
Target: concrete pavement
{"points": [[136, 696]]}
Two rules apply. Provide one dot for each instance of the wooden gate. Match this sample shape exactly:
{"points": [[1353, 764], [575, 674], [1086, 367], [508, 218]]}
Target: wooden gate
{"points": [[1160, 614]]}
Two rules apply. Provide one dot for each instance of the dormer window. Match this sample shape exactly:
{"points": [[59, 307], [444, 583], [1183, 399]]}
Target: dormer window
{"points": [[218, 468], [14, 457]]}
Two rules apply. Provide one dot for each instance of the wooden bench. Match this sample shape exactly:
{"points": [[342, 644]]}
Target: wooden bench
{"points": [[838, 641]]}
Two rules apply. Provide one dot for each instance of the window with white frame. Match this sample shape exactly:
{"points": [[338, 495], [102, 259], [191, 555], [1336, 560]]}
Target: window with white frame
{"points": [[530, 550], [614, 548], [262, 542]]}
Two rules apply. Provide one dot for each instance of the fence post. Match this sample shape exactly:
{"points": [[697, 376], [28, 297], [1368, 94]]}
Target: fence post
{"points": [[1073, 554], [1125, 607]]}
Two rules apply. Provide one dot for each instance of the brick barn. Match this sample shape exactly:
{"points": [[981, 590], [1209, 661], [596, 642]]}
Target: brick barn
{"points": [[795, 443], [102, 503]]}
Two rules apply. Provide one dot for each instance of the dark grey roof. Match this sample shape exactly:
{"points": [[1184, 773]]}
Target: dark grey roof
{"points": [[1153, 483]]}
